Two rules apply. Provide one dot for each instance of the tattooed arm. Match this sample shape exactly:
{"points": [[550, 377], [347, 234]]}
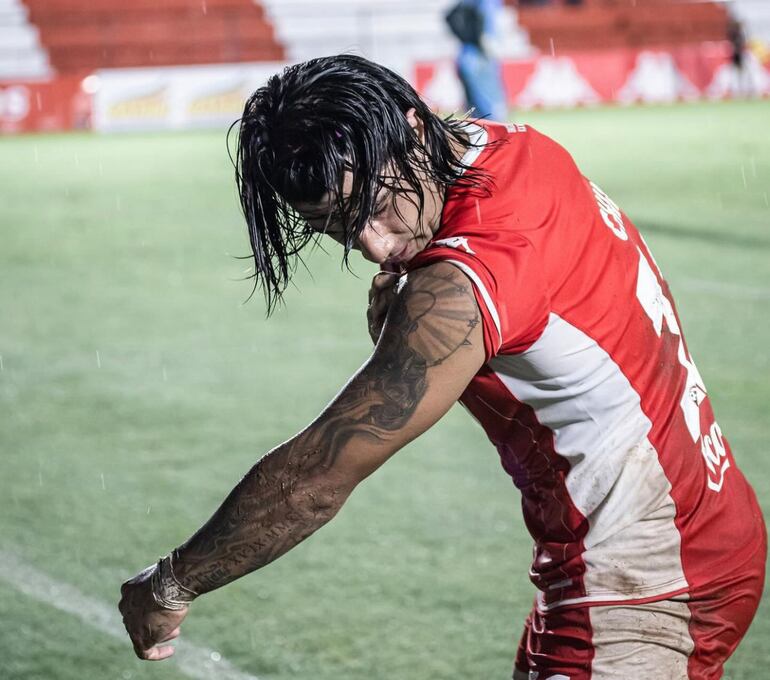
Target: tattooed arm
{"points": [[430, 348]]}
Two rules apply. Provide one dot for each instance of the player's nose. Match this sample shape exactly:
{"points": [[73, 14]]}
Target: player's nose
{"points": [[374, 245]]}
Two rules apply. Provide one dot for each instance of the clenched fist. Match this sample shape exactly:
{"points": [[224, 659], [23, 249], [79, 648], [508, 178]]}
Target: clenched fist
{"points": [[381, 294], [148, 624]]}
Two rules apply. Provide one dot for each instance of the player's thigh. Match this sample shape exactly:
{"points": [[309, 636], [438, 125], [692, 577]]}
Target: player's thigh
{"points": [[557, 644], [687, 638], [610, 642], [720, 617], [641, 641]]}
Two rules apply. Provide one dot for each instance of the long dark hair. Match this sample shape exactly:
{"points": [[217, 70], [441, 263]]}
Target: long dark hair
{"points": [[306, 128]]}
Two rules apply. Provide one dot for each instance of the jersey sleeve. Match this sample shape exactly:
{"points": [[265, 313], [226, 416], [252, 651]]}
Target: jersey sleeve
{"points": [[508, 286]]}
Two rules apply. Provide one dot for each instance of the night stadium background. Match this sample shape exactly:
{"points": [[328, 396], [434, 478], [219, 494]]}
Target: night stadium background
{"points": [[136, 387]]}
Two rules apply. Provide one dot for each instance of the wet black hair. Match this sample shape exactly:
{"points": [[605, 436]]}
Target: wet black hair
{"points": [[305, 128]]}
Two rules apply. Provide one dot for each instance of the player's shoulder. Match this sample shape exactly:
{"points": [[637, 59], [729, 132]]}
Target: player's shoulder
{"points": [[505, 136], [522, 147], [517, 161]]}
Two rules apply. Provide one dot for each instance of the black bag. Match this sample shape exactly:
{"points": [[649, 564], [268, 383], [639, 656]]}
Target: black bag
{"points": [[466, 23]]}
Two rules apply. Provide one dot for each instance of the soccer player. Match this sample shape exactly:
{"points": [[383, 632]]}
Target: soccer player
{"points": [[510, 282]]}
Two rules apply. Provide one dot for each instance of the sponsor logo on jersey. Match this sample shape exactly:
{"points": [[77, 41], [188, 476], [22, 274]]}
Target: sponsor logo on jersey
{"points": [[714, 451], [455, 242]]}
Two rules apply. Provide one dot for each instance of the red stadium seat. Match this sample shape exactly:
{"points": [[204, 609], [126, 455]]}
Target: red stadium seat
{"points": [[83, 35], [622, 23]]}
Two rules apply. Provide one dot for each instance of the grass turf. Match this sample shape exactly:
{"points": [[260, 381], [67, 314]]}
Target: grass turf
{"points": [[136, 388]]}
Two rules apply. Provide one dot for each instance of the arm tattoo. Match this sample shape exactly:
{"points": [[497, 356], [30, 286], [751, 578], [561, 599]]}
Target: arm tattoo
{"points": [[294, 490]]}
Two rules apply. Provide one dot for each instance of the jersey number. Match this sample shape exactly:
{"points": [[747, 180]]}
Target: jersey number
{"points": [[659, 309]]}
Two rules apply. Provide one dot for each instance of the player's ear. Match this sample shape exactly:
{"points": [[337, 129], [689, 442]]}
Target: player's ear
{"points": [[415, 122]]}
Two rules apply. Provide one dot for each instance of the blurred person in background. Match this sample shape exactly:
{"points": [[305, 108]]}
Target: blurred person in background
{"points": [[510, 282], [475, 23], [737, 39]]}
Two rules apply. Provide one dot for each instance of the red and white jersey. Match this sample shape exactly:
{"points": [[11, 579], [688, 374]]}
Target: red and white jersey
{"points": [[589, 392]]}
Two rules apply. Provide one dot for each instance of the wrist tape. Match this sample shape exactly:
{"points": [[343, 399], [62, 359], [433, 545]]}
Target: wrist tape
{"points": [[166, 590]]}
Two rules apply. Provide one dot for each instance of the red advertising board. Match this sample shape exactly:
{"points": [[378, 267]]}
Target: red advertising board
{"points": [[622, 75], [44, 106]]}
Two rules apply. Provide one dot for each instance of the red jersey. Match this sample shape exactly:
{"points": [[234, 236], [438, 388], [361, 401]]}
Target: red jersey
{"points": [[589, 392]]}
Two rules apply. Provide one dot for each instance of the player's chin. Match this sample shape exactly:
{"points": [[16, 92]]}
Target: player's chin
{"points": [[413, 250]]}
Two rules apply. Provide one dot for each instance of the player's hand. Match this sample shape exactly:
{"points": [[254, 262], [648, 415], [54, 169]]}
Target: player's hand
{"points": [[381, 294], [148, 624]]}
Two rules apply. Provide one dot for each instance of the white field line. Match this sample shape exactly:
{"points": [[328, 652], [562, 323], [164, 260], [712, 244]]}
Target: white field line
{"points": [[730, 290], [194, 661]]}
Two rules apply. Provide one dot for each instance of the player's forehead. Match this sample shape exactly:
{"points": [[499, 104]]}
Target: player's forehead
{"points": [[319, 213], [321, 209]]}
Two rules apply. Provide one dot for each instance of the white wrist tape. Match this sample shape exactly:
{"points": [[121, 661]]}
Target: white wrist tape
{"points": [[166, 590]]}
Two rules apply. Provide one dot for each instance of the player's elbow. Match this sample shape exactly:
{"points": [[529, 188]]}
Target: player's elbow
{"points": [[323, 495]]}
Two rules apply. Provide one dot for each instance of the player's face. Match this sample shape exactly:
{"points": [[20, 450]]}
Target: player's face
{"points": [[397, 230]]}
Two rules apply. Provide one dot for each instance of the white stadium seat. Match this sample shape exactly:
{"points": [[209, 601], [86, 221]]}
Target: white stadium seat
{"points": [[394, 32], [21, 55]]}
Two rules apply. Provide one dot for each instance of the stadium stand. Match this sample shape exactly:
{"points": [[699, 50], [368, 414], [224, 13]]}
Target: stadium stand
{"points": [[622, 23], [395, 32], [83, 35], [21, 55]]}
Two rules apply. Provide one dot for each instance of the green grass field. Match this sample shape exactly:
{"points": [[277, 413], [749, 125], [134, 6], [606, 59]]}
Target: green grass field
{"points": [[136, 388]]}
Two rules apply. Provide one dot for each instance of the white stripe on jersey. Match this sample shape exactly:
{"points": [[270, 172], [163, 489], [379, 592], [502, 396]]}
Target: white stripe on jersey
{"points": [[478, 139], [632, 549]]}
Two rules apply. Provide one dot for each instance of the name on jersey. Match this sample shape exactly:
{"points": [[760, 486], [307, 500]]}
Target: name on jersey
{"points": [[610, 213]]}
